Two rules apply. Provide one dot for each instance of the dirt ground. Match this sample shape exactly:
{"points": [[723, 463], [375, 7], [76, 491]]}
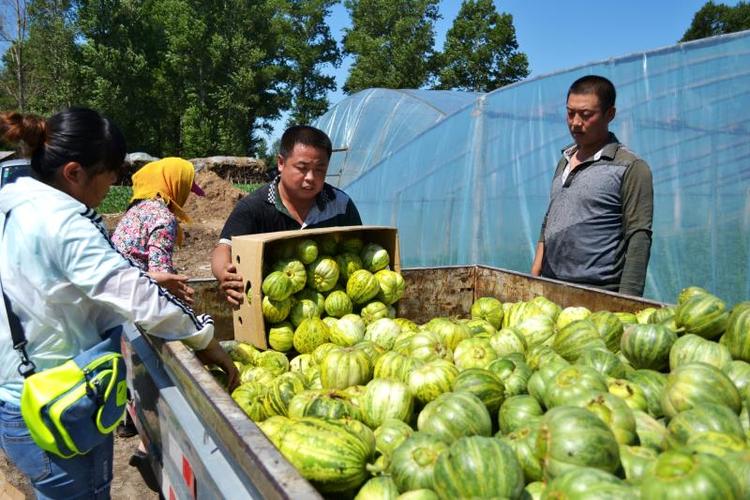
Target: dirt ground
{"points": [[193, 259]]}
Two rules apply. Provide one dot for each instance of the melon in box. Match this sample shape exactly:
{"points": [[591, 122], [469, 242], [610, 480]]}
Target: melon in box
{"points": [[254, 254]]}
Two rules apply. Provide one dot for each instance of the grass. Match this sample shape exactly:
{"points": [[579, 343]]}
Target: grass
{"points": [[248, 188], [119, 196], [116, 201]]}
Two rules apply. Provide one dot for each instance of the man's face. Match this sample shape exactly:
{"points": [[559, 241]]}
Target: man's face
{"points": [[303, 171], [587, 122]]}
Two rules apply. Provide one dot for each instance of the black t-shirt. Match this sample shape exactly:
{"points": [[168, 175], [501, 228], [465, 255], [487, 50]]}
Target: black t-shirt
{"points": [[263, 212]]}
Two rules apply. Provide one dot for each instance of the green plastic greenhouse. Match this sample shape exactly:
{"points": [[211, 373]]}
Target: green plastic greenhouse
{"points": [[465, 177]]}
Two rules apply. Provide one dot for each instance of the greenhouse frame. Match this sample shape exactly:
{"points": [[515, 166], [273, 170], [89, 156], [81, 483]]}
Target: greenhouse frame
{"points": [[465, 177]]}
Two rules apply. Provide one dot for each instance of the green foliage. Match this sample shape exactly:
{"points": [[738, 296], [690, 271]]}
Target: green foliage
{"points": [[194, 78], [116, 201], [481, 51], [248, 188], [52, 57], [180, 77], [118, 198], [307, 45], [717, 19], [392, 43]]}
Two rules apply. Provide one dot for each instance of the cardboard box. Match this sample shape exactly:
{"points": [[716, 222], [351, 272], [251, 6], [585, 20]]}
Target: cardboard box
{"points": [[251, 253]]}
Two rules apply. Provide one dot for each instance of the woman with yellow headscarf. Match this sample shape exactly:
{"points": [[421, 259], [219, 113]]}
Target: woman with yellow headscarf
{"points": [[149, 230]]}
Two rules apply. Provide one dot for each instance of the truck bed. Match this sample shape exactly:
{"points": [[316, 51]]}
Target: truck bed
{"points": [[191, 423]]}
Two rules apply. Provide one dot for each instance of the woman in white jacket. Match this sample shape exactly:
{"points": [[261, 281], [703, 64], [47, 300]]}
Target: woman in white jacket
{"points": [[67, 283]]}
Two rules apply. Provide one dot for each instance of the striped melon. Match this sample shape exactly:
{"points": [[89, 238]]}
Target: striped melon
{"points": [[394, 366], [478, 467], [573, 384], [647, 345], [489, 309], [277, 286], [703, 418], [696, 383], [513, 373], [652, 384], [737, 336], [453, 415], [571, 437], [483, 384], [603, 361], [542, 378], [523, 442], [328, 453], [691, 348], [682, 475], [473, 353], [610, 328], [588, 483], [704, 315], [413, 462], [575, 338], [635, 461], [432, 379], [517, 412], [615, 413], [378, 488], [389, 436], [651, 433], [715, 443], [507, 341], [386, 399], [629, 392]]}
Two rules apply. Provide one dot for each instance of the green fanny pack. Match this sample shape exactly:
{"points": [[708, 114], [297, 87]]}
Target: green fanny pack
{"points": [[72, 408]]}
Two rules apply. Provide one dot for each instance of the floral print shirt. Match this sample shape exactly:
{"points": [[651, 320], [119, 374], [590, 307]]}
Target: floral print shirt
{"points": [[146, 235]]}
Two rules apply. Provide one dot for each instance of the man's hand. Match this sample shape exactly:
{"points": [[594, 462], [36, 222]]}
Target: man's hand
{"points": [[176, 284], [230, 281], [536, 266], [213, 354]]}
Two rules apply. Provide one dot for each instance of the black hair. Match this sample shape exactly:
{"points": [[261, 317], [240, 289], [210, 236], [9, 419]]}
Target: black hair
{"points": [[79, 135], [595, 84], [307, 135]]}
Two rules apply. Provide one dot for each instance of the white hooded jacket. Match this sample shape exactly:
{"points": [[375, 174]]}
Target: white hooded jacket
{"points": [[67, 284]]}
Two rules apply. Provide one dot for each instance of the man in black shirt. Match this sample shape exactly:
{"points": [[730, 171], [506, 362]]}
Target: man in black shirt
{"points": [[298, 198]]}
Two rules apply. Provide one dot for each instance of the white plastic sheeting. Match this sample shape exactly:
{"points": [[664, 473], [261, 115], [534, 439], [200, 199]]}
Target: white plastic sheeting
{"points": [[472, 186]]}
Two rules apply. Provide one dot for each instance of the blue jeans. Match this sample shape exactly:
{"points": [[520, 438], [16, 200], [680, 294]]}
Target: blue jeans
{"points": [[53, 477]]}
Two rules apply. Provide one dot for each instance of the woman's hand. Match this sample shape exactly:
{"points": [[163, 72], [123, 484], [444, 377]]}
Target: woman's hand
{"points": [[176, 284], [213, 354]]}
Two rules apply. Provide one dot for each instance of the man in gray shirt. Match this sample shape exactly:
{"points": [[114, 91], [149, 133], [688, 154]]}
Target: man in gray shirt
{"points": [[597, 230]]}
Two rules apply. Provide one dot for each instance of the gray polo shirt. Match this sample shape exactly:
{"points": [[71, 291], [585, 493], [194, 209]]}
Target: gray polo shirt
{"points": [[594, 211]]}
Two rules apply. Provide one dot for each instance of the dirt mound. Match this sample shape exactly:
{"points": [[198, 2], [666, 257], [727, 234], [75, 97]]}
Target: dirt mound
{"points": [[221, 197]]}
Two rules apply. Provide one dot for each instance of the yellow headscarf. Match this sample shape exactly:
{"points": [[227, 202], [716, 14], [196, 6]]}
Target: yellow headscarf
{"points": [[171, 179]]}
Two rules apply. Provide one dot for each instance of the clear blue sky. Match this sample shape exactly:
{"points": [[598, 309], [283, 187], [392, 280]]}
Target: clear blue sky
{"points": [[560, 34]]}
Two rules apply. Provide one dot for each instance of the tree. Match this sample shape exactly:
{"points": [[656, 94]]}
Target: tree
{"points": [[13, 32], [53, 57], [392, 43], [185, 77], [120, 43], [713, 19], [308, 45], [481, 51], [225, 59]]}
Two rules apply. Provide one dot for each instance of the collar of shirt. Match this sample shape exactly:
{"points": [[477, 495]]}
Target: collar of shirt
{"points": [[608, 152], [325, 196]]}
